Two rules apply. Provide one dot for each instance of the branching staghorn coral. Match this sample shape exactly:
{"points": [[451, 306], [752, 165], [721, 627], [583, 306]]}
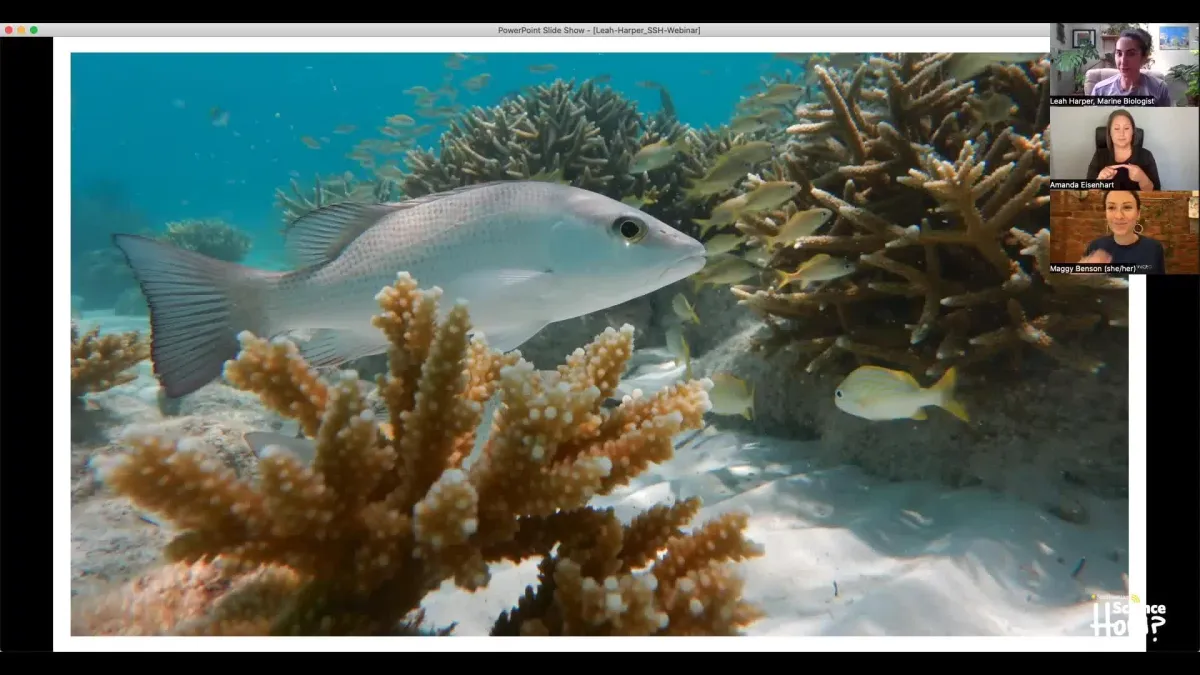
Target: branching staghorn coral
{"points": [[387, 511], [950, 254], [329, 191], [101, 362], [585, 135], [211, 236]]}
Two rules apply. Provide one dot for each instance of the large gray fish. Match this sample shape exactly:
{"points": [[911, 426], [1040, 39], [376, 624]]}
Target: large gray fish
{"points": [[523, 254]]}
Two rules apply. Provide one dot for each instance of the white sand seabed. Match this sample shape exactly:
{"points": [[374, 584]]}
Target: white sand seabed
{"points": [[847, 554]]}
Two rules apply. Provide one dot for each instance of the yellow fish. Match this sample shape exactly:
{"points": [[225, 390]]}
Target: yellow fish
{"points": [[723, 269], [820, 267], [684, 310], [876, 393], [968, 65], [678, 347], [725, 213], [770, 195], [731, 396], [656, 155], [723, 243], [801, 224]]}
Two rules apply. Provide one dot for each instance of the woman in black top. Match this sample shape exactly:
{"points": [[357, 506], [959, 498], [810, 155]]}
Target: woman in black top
{"points": [[1132, 167], [1124, 244]]}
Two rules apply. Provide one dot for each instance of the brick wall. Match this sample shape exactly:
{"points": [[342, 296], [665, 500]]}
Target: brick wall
{"points": [[1075, 222]]}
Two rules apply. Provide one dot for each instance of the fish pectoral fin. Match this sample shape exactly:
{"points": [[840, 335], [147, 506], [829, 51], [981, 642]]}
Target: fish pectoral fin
{"points": [[329, 347], [492, 289], [491, 281], [269, 442], [508, 338]]}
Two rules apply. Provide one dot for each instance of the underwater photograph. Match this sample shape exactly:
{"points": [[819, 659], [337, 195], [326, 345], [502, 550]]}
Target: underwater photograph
{"points": [[615, 344]]}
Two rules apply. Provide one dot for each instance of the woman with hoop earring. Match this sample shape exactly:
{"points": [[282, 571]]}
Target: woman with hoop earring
{"points": [[1125, 244]]}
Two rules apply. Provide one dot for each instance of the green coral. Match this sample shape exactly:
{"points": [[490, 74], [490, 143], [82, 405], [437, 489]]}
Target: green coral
{"points": [[212, 237]]}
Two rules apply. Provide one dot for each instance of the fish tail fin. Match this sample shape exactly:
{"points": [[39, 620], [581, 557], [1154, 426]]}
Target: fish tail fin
{"points": [[198, 306], [945, 390]]}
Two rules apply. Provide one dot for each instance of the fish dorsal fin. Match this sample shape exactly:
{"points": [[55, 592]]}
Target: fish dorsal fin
{"points": [[320, 236]]}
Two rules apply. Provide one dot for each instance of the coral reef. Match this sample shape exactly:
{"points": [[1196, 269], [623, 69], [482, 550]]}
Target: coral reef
{"points": [[388, 510], [329, 191], [940, 192], [100, 362], [211, 236], [585, 134]]}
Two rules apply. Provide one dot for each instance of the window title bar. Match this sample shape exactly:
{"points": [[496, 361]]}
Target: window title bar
{"points": [[548, 29]]}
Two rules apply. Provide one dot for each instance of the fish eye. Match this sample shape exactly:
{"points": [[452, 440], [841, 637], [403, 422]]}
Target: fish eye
{"points": [[630, 229], [838, 393]]}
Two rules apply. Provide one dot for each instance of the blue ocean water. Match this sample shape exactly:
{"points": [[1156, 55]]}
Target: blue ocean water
{"points": [[145, 150]]}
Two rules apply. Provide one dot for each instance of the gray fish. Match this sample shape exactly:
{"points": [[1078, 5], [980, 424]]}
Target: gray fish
{"points": [[523, 254]]}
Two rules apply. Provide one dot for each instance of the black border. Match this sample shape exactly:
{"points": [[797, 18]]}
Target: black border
{"points": [[28, 348], [1173, 459]]}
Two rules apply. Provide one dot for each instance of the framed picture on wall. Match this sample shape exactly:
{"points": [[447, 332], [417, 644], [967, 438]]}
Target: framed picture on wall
{"points": [[1082, 36], [1172, 38]]}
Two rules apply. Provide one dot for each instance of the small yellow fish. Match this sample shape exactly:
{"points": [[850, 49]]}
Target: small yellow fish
{"points": [[722, 214], [995, 108], [748, 153], [747, 124], [843, 60], [478, 82], [820, 267], [678, 347], [344, 129], [876, 393], [656, 155], [684, 309], [770, 195], [542, 68], [401, 121], [218, 117], [723, 243], [968, 65], [724, 269], [310, 142], [731, 396], [801, 224]]}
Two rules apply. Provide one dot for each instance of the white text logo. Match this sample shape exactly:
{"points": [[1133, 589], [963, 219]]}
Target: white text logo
{"points": [[1112, 617]]}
